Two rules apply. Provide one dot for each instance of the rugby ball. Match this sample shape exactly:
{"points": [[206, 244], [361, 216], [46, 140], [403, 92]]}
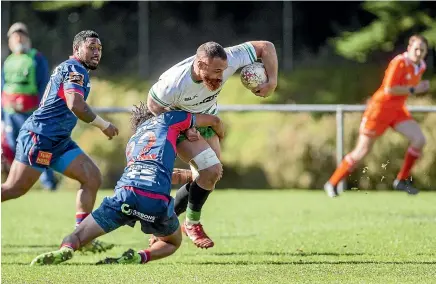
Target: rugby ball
{"points": [[253, 75]]}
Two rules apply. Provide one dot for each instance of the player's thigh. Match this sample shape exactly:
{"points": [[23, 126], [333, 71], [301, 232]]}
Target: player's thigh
{"points": [[365, 142], [363, 145], [22, 176], [410, 129], [174, 239], [214, 143], [187, 150], [168, 231], [77, 165], [88, 230], [24, 170], [110, 215]]}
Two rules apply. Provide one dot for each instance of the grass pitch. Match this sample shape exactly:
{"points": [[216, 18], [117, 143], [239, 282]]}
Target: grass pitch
{"points": [[260, 237]]}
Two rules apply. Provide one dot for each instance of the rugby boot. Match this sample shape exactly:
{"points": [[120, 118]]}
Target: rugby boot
{"points": [[54, 257], [96, 246], [405, 185], [128, 257], [198, 236], [332, 191]]}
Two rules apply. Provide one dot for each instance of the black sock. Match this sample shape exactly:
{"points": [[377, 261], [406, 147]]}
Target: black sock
{"points": [[181, 200], [197, 197]]}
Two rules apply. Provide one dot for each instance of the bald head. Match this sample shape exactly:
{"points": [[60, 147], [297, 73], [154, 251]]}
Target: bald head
{"points": [[211, 50], [210, 63]]}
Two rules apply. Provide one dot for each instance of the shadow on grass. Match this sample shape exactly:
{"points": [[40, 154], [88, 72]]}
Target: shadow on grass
{"points": [[29, 246], [288, 253], [310, 262], [63, 264], [244, 262]]}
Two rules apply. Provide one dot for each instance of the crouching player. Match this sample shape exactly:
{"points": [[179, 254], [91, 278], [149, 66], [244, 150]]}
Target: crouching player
{"points": [[143, 192]]}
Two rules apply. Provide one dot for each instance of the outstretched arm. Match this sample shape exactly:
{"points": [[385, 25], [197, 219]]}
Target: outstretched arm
{"points": [[74, 82], [81, 109]]}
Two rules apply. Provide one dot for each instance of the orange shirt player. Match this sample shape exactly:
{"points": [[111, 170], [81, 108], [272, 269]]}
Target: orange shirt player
{"points": [[387, 109]]}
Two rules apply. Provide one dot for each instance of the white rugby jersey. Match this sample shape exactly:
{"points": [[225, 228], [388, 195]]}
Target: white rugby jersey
{"points": [[176, 88]]}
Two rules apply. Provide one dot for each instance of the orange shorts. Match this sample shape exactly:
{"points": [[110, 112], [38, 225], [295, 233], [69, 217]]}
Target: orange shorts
{"points": [[378, 117]]}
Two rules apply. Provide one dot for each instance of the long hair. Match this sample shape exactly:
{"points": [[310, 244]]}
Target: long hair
{"points": [[139, 114]]}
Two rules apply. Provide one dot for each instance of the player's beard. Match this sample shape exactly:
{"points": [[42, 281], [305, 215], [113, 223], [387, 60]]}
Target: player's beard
{"points": [[212, 84], [90, 65]]}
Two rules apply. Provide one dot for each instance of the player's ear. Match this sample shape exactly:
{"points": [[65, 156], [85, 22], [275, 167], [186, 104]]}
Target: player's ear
{"points": [[201, 65], [77, 50]]}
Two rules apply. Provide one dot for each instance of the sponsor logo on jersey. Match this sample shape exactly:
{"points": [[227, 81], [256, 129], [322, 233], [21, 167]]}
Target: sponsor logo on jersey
{"points": [[190, 98], [76, 78], [125, 208], [208, 99], [44, 158]]}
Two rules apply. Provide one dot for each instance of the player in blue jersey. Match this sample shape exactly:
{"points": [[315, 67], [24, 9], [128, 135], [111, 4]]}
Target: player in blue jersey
{"points": [[143, 191], [45, 140]]}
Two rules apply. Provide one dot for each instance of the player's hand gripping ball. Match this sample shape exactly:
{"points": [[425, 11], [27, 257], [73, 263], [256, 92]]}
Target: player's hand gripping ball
{"points": [[253, 75]]}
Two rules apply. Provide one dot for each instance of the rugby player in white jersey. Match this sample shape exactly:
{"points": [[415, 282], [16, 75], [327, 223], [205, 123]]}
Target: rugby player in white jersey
{"points": [[193, 85]]}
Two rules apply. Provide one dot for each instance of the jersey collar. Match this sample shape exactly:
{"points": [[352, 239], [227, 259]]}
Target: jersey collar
{"points": [[417, 67], [78, 60]]}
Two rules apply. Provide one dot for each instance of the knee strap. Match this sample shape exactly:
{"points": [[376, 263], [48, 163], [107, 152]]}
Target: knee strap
{"points": [[205, 159]]}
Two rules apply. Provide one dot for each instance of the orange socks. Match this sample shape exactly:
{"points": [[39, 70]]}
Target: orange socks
{"points": [[346, 167], [412, 155]]}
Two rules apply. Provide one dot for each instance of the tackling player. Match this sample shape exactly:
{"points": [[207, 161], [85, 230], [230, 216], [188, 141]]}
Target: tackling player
{"points": [[387, 109], [143, 192], [193, 85], [45, 140]]}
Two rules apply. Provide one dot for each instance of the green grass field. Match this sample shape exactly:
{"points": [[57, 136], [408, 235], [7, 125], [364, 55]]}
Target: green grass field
{"points": [[260, 237]]}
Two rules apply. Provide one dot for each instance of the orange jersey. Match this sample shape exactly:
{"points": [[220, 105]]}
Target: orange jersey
{"points": [[385, 110], [400, 72]]}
